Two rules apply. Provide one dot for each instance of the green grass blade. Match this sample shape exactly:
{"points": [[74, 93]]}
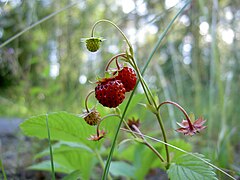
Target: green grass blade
{"points": [[106, 170], [3, 171], [37, 23], [50, 149], [1, 165]]}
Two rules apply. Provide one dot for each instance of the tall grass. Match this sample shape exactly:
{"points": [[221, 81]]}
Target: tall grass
{"points": [[50, 148], [1, 164]]}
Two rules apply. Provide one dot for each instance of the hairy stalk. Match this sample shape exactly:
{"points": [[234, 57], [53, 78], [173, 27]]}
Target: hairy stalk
{"points": [[50, 148], [112, 115], [148, 144], [103, 118], [144, 86], [127, 126], [158, 116], [181, 108], [86, 100], [161, 37], [122, 33], [115, 57]]}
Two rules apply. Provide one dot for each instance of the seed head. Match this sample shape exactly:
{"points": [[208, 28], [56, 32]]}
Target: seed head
{"points": [[92, 117]]}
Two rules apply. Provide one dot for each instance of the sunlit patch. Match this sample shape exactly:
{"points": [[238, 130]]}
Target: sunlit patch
{"points": [[186, 52], [185, 20], [131, 32], [204, 27], [208, 38], [82, 79], [187, 47], [113, 49], [187, 60], [171, 3], [152, 29], [54, 70], [127, 5], [227, 35], [228, 13], [1, 32], [141, 7]]}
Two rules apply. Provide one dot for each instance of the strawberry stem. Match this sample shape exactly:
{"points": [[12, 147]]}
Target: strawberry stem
{"points": [[86, 100], [151, 101], [117, 64], [115, 58], [113, 24], [147, 143], [103, 118], [181, 109]]}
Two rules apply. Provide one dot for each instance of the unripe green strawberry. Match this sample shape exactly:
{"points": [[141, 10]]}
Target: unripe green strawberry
{"points": [[93, 43]]}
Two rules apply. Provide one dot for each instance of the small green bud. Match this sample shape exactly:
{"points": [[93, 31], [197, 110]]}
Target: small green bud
{"points": [[93, 43]]}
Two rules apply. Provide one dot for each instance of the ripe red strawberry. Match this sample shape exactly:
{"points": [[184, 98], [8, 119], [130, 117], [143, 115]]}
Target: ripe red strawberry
{"points": [[128, 77], [110, 92]]}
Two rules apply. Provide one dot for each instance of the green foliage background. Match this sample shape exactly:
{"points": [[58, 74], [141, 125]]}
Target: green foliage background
{"points": [[199, 71]]}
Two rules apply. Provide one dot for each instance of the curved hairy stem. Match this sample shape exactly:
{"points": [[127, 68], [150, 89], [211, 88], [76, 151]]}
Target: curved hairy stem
{"points": [[148, 144], [86, 100], [103, 118], [181, 109], [152, 101], [113, 24], [123, 55]]}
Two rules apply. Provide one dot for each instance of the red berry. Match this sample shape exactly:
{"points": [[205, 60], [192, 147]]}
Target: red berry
{"points": [[110, 92], [128, 77]]}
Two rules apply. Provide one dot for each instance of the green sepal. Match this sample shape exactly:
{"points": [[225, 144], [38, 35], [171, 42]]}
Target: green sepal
{"points": [[118, 111], [107, 74]]}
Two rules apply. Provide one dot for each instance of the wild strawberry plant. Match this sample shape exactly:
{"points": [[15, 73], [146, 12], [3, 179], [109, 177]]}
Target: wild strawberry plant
{"points": [[80, 140]]}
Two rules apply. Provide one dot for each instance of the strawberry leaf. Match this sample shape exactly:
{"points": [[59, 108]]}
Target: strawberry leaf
{"points": [[189, 167], [62, 125]]}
